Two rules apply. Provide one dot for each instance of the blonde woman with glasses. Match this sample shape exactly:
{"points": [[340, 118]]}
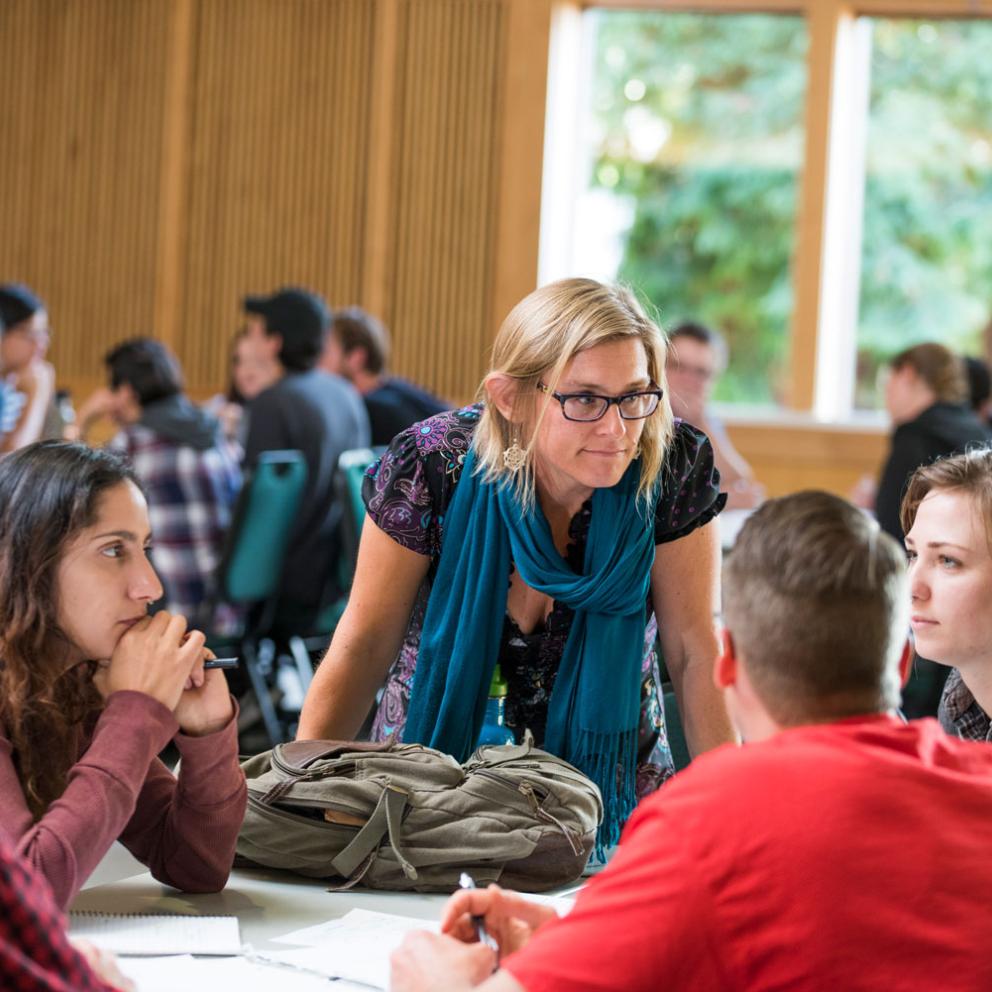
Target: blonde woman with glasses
{"points": [[555, 527]]}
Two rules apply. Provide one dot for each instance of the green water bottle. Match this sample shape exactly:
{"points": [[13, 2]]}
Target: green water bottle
{"points": [[494, 728]]}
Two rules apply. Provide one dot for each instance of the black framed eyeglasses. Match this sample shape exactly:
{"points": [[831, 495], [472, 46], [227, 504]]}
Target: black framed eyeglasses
{"points": [[585, 407]]}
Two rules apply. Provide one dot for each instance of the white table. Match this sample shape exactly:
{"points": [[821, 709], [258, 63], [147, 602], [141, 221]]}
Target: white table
{"points": [[266, 903]]}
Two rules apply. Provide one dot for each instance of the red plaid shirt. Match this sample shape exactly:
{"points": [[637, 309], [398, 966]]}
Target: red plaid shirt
{"points": [[35, 954]]}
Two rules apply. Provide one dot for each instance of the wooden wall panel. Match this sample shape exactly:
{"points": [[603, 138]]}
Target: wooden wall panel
{"points": [[444, 188], [279, 122], [164, 157], [81, 89], [787, 458]]}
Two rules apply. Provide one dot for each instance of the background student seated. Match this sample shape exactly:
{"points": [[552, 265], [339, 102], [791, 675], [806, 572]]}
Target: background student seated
{"points": [[358, 349], [697, 356], [316, 413], [92, 689], [926, 395], [839, 848], [28, 379], [188, 470]]}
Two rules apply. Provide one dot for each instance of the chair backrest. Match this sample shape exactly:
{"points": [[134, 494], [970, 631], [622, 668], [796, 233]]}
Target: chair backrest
{"points": [[352, 466], [251, 568]]}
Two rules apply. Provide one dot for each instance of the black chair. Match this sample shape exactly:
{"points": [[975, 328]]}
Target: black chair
{"points": [[250, 576]]}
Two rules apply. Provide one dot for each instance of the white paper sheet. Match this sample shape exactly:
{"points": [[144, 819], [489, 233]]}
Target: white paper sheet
{"points": [[157, 935], [356, 947], [221, 974]]}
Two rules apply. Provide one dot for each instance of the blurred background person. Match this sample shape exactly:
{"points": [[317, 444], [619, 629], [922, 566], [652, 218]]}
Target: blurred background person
{"points": [[926, 395], [320, 415], [979, 387], [28, 379], [358, 349], [3, 391], [697, 355], [251, 372], [189, 472]]}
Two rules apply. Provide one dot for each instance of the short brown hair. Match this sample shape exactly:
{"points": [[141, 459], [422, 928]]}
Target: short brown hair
{"points": [[816, 601], [969, 473], [939, 368], [354, 328]]}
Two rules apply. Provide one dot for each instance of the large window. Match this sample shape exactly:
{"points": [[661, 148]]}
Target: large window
{"points": [[682, 173], [926, 263]]}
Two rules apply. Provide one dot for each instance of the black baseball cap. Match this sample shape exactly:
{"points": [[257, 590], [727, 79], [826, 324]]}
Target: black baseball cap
{"points": [[291, 312], [17, 303]]}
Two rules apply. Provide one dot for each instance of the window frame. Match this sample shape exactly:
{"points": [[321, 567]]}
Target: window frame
{"points": [[824, 286]]}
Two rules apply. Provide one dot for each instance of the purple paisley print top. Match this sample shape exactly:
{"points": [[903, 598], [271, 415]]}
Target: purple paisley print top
{"points": [[407, 493]]}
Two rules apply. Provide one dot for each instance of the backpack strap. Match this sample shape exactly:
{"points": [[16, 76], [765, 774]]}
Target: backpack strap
{"points": [[513, 752], [386, 819]]}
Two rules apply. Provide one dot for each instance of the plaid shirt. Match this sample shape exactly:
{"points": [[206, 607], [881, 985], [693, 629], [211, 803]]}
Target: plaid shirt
{"points": [[35, 954], [960, 714], [190, 494]]}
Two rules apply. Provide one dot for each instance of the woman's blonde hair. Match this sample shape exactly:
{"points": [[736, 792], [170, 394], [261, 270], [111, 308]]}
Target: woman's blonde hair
{"points": [[539, 337]]}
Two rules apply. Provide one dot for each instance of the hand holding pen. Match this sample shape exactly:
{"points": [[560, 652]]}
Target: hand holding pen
{"points": [[505, 916], [466, 881]]}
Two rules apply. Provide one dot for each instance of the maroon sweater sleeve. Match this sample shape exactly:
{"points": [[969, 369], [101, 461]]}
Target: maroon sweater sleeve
{"points": [[118, 786], [67, 843], [186, 830]]}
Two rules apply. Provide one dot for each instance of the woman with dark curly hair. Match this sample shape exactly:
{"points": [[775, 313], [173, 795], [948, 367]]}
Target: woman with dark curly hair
{"points": [[92, 688]]}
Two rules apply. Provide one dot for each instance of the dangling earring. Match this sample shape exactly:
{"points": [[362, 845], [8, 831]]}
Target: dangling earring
{"points": [[514, 456]]}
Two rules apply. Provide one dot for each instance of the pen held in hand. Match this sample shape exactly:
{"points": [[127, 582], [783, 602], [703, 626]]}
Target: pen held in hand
{"points": [[479, 922], [222, 663]]}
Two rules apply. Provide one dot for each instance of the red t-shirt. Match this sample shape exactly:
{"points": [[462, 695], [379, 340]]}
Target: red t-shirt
{"points": [[844, 856]]}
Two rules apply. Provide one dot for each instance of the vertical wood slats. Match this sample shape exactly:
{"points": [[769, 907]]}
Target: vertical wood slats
{"points": [[80, 97], [165, 157], [277, 151], [445, 191]]}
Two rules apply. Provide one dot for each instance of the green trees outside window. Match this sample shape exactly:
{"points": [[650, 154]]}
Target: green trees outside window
{"points": [[695, 129]]}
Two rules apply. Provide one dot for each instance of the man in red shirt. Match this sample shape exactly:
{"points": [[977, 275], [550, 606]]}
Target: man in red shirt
{"points": [[838, 849]]}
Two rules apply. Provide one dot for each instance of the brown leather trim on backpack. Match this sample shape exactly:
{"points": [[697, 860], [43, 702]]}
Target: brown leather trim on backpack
{"points": [[303, 753]]}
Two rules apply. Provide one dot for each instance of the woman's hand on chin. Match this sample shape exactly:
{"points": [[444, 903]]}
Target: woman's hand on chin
{"points": [[205, 705], [155, 656]]}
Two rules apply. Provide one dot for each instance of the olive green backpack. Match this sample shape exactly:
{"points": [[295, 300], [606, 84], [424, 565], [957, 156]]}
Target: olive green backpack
{"points": [[404, 816]]}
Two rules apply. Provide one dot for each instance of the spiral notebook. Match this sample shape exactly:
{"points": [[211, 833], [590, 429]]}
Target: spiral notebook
{"points": [[138, 934]]}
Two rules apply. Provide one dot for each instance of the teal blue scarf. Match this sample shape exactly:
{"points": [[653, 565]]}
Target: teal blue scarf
{"points": [[593, 713]]}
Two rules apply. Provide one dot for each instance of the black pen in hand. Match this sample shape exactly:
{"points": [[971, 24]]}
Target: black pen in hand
{"points": [[479, 922], [221, 663]]}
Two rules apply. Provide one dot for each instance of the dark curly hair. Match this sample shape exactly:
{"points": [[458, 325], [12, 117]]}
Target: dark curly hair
{"points": [[49, 492]]}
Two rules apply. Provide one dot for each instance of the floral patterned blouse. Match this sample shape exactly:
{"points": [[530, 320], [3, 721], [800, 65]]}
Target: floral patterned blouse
{"points": [[407, 493]]}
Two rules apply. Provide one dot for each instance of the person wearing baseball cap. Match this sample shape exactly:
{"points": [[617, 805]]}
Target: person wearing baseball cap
{"points": [[315, 412]]}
